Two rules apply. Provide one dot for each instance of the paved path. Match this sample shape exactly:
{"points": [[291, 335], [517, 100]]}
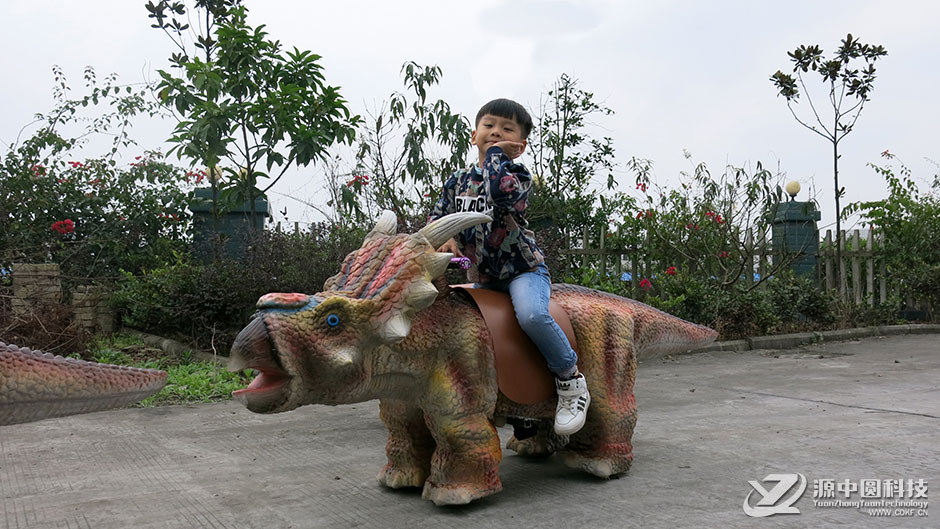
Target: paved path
{"points": [[708, 424]]}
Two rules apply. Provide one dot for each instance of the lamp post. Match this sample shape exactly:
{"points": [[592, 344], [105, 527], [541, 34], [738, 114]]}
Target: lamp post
{"points": [[795, 236]]}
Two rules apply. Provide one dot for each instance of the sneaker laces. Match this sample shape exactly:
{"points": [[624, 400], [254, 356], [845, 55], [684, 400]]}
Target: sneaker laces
{"points": [[570, 402]]}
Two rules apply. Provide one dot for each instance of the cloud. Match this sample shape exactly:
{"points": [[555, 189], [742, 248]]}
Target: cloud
{"points": [[538, 19]]}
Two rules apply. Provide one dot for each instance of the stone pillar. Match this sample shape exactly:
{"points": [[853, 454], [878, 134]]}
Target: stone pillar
{"points": [[795, 236], [35, 284], [92, 311]]}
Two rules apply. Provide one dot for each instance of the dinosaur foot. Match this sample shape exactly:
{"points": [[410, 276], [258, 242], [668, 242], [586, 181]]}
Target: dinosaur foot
{"points": [[399, 478], [538, 446], [458, 494], [602, 467]]}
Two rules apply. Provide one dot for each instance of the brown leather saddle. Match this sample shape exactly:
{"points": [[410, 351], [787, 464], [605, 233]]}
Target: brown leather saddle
{"points": [[521, 371]]}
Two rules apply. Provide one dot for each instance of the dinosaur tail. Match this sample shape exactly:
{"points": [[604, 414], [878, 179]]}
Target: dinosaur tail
{"points": [[657, 333], [36, 385]]}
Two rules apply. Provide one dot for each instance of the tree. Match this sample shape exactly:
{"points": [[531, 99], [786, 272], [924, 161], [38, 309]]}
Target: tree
{"points": [[844, 80], [250, 102], [567, 159], [398, 145]]}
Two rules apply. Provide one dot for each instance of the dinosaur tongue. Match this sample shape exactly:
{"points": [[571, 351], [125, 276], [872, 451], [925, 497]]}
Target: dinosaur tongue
{"points": [[265, 384]]}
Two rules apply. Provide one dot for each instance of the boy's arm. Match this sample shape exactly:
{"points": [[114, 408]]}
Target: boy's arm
{"points": [[507, 183], [445, 206], [445, 203]]}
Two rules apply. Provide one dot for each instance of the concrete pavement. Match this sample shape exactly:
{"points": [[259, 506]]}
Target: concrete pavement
{"points": [[709, 423]]}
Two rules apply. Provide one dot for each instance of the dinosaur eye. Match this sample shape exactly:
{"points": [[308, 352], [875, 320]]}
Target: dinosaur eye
{"points": [[332, 320]]}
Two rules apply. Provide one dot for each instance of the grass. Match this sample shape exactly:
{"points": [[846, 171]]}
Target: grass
{"points": [[189, 380]]}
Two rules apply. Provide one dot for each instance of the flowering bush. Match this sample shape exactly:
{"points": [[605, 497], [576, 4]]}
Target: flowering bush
{"points": [[702, 225], [93, 216]]}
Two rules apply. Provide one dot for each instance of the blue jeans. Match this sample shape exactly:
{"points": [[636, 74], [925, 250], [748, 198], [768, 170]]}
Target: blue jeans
{"points": [[530, 292]]}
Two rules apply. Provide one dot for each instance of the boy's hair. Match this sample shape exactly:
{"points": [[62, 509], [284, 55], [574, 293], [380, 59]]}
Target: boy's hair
{"points": [[509, 109]]}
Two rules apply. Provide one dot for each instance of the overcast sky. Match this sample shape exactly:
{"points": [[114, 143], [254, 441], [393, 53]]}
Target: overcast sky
{"points": [[680, 75]]}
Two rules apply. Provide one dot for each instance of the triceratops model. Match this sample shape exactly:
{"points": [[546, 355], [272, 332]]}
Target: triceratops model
{"points": [[380, 329], [36, 385]]}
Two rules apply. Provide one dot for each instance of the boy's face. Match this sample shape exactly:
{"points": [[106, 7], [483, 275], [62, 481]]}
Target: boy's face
{"points": [[492, 130]]}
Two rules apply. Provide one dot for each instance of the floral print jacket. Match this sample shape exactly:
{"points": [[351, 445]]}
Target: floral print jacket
{"points": [[504, 248]]}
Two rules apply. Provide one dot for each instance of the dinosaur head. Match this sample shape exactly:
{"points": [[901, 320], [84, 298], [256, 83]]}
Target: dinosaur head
{"points": [[318, 348]]}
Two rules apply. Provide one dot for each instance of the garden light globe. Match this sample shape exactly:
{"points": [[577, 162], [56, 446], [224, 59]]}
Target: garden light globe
{"points": [[792, 187]]}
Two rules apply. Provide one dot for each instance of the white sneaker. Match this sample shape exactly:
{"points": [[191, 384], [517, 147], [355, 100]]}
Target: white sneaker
{"points": [[573, 402]]}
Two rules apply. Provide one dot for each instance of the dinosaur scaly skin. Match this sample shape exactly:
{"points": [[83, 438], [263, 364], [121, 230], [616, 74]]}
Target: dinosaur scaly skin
{"points": [[36, 385], [381, 330]]}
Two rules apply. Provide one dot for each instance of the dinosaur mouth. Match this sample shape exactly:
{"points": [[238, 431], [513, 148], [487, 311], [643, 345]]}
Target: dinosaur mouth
{"points": [[264, 390], [252, 350]]}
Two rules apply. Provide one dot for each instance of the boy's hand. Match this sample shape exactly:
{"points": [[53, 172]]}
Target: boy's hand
{"points": [[450, 247], [513, 149]]}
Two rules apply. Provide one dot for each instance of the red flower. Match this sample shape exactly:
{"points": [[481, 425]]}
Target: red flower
{"points": [[198, 175], [719, 220], [76, 164], [671, 270], [358, 178], [639, 215], [709, 214], [724, 255], [641, 187], [645, 284], [38, 170], [63, 227], [887, 154]]}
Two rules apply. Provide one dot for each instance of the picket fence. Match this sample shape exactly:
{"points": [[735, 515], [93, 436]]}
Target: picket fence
{"points": [[860, 276]]}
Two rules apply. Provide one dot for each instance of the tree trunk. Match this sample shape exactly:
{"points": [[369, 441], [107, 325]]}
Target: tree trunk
{"points": [[835, 177]]}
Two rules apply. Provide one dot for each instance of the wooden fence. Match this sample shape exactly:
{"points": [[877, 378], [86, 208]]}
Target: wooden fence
{"points": [[860, 277]]}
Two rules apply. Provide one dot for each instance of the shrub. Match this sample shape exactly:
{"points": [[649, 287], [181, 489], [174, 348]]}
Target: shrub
{"points": [[208, 303], [782, 304], [49, 327], [908, 223]]}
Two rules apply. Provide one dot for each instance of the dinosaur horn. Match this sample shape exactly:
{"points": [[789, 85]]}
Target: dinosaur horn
{"points": [[442, 229], [386, 225]]}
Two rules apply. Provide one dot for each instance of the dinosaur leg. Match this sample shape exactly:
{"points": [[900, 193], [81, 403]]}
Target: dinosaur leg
{"points": [[603, 450], [465, 465], [409, 447], [604, 446]]}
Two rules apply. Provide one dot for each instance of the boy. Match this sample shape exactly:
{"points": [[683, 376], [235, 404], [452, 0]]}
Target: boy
{"points": [[504, 253]]}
